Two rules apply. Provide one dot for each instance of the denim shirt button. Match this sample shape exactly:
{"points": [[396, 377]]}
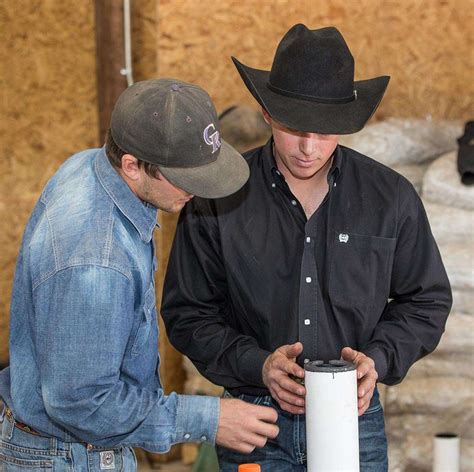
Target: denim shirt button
{"points": [[203, 438], [187, 436]]}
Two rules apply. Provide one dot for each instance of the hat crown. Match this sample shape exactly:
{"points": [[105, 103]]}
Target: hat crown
{"points": [[313, 64], [167, 122]]}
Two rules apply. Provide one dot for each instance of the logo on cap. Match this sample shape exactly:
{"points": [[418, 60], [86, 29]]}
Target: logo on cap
{"points": [[212, 138]]}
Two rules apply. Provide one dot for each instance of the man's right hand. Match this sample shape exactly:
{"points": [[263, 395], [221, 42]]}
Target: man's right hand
{"points": [[244, 426], [276, 371]]}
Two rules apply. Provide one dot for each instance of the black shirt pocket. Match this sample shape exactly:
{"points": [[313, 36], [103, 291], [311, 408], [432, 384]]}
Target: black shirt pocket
{"points": [[360, 268]]}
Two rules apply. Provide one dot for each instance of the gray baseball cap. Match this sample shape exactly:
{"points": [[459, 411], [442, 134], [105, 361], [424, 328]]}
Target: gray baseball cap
{"points": [[174, 125]]}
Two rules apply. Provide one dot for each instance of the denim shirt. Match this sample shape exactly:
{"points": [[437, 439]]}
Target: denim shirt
{"points": [[83, 330]]}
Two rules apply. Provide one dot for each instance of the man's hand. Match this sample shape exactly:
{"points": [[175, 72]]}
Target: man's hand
{"points": [[244, 426], [276, 370], [366, 376]]}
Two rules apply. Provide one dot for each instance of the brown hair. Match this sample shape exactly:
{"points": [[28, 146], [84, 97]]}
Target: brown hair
{"points": [[114, 154]]}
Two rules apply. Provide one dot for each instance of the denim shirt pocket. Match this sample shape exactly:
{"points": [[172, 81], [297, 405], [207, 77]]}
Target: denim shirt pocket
{"points": [[144, 327]]}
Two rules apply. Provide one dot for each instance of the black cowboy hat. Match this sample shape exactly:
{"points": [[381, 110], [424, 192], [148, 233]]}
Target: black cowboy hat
{"points": [[311, 85]]}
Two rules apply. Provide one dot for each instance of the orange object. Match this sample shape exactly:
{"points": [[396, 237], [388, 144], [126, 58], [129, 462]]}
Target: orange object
{"points": [[249, 468]]}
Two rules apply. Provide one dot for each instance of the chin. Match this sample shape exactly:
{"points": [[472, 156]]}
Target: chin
{"points": [[304, 173], [177, 207]]}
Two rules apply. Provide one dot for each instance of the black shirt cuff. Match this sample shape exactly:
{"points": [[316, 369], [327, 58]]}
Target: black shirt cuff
{"points": [[251, 366], [378, 356]]}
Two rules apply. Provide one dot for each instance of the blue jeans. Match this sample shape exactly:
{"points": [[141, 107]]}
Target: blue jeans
{"points": [[287, 452], [23, 451]]}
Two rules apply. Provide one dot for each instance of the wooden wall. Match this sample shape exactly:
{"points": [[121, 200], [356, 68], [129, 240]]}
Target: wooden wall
{"points": [[426, 46]]}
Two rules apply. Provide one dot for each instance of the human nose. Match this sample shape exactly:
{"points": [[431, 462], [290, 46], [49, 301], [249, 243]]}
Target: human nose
{"points": [[308, 143]]}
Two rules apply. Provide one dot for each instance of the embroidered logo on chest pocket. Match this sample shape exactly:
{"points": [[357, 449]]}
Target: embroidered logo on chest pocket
{"points": [[343, 238]]}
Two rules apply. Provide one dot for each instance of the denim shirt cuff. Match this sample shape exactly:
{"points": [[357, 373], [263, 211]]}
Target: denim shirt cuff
{"points": [[197, 418]]}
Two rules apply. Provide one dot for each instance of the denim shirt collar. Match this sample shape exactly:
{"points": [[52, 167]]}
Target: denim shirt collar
{"points": [[142, 215]]}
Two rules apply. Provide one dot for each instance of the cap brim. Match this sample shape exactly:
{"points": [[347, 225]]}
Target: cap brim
{"points": [[311, 116], [223, 177]]}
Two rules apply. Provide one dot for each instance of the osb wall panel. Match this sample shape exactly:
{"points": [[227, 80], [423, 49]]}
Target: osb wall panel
{"points": [[425, 46], [144, 39], [48, 111], [50, 93]]}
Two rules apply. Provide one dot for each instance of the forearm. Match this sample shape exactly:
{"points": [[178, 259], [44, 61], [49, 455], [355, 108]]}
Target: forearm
{"points": [[220, 353], [96, 381], [127, 415]]}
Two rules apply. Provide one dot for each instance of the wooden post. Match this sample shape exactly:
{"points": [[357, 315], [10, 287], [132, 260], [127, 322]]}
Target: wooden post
{"points": [[110, 59]]}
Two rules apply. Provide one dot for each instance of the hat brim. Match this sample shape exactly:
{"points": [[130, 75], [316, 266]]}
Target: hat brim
{"points": [[310, 116], [223, 177]]}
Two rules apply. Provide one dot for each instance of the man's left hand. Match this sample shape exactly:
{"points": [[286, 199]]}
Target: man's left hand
{"points": [[366, 376]]}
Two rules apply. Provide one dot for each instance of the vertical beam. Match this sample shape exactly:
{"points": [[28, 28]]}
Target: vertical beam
{"points": [[110, 58]]}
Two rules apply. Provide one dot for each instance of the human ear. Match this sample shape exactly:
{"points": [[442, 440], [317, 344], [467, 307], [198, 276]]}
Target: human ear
{"points": [[130, 167], [266, 117]]}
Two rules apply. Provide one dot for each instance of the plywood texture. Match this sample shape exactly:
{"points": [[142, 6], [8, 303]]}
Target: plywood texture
{"points": [[49, 96], [47, 58], [425, 46], [144, 39]]}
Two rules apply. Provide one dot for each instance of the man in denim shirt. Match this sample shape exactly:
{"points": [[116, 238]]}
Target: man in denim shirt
{"points": [[83, 383]]}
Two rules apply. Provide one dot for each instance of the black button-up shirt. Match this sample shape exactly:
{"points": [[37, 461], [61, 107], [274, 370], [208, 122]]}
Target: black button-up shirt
{"points": [[249, 273]]}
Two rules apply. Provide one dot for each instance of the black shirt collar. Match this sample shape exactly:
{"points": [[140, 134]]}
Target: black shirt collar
{"points": [[270, 165]]}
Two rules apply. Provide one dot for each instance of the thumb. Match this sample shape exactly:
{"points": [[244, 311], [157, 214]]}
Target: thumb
{"points": [[348, 354], [293, 350]]}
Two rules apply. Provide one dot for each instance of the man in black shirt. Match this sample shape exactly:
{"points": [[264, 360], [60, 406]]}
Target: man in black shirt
{"points": [[300, 264]]}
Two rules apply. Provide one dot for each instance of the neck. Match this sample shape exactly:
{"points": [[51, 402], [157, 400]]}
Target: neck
{"points": [[309, 192]]}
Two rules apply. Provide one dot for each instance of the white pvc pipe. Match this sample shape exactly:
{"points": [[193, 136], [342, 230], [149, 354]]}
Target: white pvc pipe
{"points": [[446, 453], [127, 70], [332, 427]]}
